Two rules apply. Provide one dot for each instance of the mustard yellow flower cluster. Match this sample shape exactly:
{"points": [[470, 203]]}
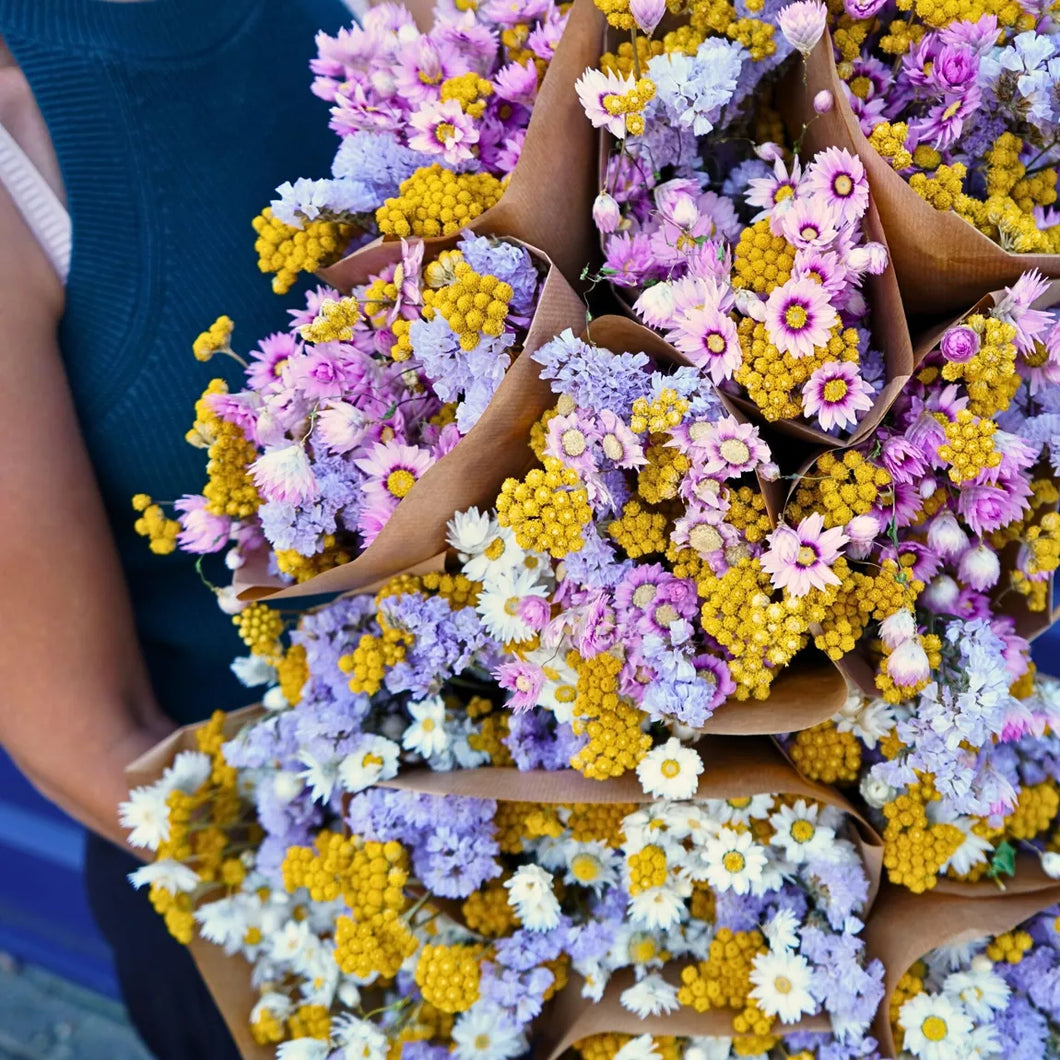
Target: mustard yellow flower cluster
{"points": [[368, 663], [547, 509], [990, 377], [631, 104], [334, 321], [215, 339], [487, 911], [288, 251], [969, 447], [437, 202], [761, 260], [160, 532], [469, 90], [472, 305], [889, 140], [914, 848], [647, 869], [448, 976], [302, 568], [839, 486], [260, 628], [825, 754], [1039, 558]]}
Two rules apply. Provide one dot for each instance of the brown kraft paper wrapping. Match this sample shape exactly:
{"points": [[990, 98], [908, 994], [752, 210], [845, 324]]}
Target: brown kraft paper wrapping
{"points": [[414, 538], [735, 768], [905, 927], [549, 197], [942, 262], [227, 978]]}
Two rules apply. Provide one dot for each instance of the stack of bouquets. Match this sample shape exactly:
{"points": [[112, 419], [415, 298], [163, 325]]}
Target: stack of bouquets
{"points": [[380, 846], [431, 123]]}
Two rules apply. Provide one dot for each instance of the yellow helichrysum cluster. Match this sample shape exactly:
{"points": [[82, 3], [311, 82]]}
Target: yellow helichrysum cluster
{"points": [[469, 90], [661, 476], [489, 739], [662, 413], [302, 568], [839, 487], [602, 820], [914, 849], [647, 869], [448, 976], [381, 944], [215, 339], [1010, 947], [547, 510], [287, 251], [630, 104], [969, 446], [309, 1021], [940, 13], [944, 189], [990, 377], [614, 727], [437, 202], [889, 140], [1035, 811], [639, 530], [152, 523], [472, 304], [334, 321], [825, 754], [260, 628], [368, 663], [762, 260], [487, 911], [1039, 557]]}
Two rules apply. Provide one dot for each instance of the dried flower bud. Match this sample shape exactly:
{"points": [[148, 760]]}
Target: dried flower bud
{"points": [[823, 101], [647, 14], [606, 214], [959, 344], [803, 23]]}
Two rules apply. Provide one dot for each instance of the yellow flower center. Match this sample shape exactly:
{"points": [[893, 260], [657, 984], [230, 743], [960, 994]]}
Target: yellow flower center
{"points": [[612, 447], [523, 683], [573, 442], [699, 431], [934, 1028], [807, 556], [705, 538], [430, 79], [785, 191], [400, 481], [795, 316], [482, 1042], [495, 549], [835, 390], [279, 366], [644, 594], [511, 606], [802, 831], [716, 342], [1037, 358], [444, 131], [643, 950], [585, 867], [670, 768], [666, 615], [842, 185], [735, 451], [740, 803], [371, 759], [782, 984], [809, 231], [427, 724], [952, 109], [734, 861]]}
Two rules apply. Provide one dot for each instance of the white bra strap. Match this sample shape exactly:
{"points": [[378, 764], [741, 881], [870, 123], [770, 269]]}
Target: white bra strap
{"points": [[39, 205]]}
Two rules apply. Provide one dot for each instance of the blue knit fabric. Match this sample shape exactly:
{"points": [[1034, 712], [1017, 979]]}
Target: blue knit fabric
{"points": [[173, 121]]}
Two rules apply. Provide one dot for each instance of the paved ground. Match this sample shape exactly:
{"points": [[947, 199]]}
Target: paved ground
{"points": [[43, 1017]]}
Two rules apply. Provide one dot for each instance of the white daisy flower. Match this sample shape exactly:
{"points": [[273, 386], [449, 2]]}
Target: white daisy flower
{"points": [[953, 956], [595, 978], [303, 1049], [320, 973], [659, 908], [980, 992], [498, 604], [426, 735], [189, 771], [733, 861], [169, 874], [876, 791], [782, 985], [782, 931], [530, 895], [290, 943], [225, 922], [286, 785], [145, 816], [485, 1032], [1051, 864], [499, 556], [375, 759], [593, 864], [743, 810], [253, 670], [320, 774], [936, 1028], [640, 1048], [274, 700], [276, 1005], [670, 771], [689, 820], [652, 996], [644, 949], [974, 849], [798, 833], [651, 824], [559, 689], [360, 1039], [870, 719], [984, 1043], [469, 532]]}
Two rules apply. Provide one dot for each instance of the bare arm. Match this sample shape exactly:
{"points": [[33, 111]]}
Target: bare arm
{"points": [[75, 700]]}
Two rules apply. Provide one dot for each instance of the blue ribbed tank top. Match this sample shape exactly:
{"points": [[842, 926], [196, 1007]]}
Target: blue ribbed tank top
{"points": [[173, 121]]}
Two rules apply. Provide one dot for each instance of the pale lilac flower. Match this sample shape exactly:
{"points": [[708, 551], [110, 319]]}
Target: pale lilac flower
{"points": [[730, 448], [647, 14], [707, 336], [1015, 308], [768, 193], [201, 530], [835, 394], [803, 23], [517, 83], [809, 222], [285, 474], [800, 559], [979, 567], [799, 316], [523, 680], [341, 427], [606, 214]]}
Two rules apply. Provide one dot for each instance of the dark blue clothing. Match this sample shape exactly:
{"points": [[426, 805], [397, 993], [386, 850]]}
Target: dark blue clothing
{"points": [[173, 121]]}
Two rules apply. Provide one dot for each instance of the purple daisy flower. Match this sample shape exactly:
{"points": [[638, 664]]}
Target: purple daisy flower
{"points": [[799, 317], [839, 178], [835, 394]]}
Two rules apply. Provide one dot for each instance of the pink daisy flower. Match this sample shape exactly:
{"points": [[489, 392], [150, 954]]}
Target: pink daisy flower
{"points": [[392, 470], [822, 266], [1016, 307], [709, 339], [838, 177], [444, 129], [732, 448], [800, 559], [799, 317], [809, 223], [571, 439], [200, 531], [523, 680], [768, 193], [835, 394], [269, 359], [707, 535], [420, 68], [619, 444], [340, 427], [592, 88], [285, 474]]}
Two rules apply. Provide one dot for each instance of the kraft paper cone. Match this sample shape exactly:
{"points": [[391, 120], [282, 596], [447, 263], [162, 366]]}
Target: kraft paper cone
{"points": [[942, 263], [414, 538], [549, 197], [227, 978], [905, 927], [572, 1017]]}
